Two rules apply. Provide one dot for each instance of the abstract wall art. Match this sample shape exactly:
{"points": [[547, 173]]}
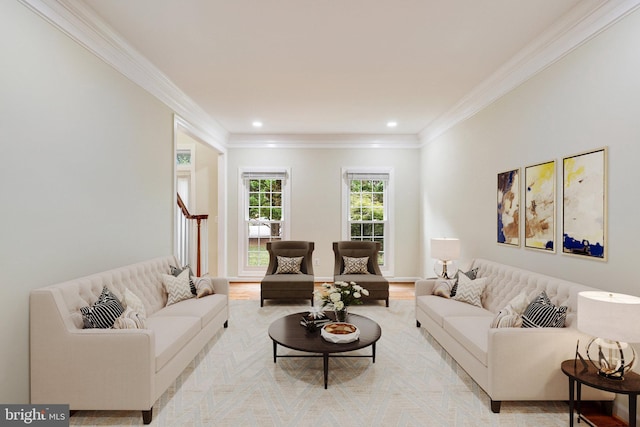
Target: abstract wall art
{"points": [[540, 206], [584, 205], [509, 208]]}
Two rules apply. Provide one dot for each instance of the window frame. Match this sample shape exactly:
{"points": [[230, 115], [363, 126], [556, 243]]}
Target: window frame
{"points": [[388, 268], [244, 269]]}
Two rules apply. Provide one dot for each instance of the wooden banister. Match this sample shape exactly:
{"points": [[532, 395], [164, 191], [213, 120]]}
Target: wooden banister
{"points": [[198, 220]]}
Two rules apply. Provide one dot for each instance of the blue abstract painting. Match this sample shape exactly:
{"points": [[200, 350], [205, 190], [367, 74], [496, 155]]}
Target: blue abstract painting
{"points": [[584, 205]]}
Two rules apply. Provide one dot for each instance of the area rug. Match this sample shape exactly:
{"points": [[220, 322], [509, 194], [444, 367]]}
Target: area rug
{"points": [[413, 382]]}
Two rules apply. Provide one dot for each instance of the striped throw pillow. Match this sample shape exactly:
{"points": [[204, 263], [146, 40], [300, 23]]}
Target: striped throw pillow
{"points": [[104, 312], [541, 313]]}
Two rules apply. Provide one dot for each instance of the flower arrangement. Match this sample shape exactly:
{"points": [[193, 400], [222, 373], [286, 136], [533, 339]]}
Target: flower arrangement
{"points": [[340, 295]]}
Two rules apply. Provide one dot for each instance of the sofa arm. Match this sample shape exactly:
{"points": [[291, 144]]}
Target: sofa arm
{"points": [[425, 286], [88, 368], [524, 363], [220, 285]]}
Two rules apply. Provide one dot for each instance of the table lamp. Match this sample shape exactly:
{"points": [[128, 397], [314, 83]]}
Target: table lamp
{"points": [[614, 320], [444, 250]]}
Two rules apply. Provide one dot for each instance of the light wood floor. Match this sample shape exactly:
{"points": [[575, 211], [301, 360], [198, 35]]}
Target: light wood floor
{"points": [[251, 290]]}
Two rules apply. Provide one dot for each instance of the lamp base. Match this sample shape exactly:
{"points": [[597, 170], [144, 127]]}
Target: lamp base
{"points": [[442, 269], [612, 359]]}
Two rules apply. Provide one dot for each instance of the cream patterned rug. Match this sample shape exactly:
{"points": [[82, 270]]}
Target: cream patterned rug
{"points": [[234, 382]]}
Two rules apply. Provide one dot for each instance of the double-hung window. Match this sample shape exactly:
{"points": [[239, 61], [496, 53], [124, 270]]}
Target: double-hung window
{"points": [[264, 210], [366, 210]]}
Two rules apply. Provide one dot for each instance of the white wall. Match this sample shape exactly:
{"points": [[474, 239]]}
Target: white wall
{"points": [[589, 99], [86, 176], [316, 199]]}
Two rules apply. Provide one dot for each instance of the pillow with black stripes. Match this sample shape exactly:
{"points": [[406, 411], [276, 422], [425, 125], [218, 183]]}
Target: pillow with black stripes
{"points": [[104, 312], [542, 313]]}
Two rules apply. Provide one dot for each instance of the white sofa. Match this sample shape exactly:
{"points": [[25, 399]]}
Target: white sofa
{"points": [[117, 369], [507, 363]]}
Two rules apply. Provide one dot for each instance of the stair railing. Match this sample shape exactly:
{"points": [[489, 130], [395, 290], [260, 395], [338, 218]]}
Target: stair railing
{"points": [[192, 247]]}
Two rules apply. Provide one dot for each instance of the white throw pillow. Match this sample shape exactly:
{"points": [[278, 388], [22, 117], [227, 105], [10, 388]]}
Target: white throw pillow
{"points": [[470, 291], [178, 288], [443, 287], [132, 301], [130, 319], [204, 286], [511, 315]]}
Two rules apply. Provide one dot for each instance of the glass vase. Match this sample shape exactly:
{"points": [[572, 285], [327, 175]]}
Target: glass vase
{"points": [[341, 315]]}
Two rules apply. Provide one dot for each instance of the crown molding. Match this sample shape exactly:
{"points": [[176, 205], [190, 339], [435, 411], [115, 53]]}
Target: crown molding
{"points": [[82, 25], [323, 141], [578, 26]]}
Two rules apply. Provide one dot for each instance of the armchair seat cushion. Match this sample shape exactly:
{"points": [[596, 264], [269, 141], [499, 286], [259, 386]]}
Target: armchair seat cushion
{"points": [[284, 281], [369, 281]]}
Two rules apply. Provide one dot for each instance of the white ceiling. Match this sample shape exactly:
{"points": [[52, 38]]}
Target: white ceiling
{"points": [[336, 67]]}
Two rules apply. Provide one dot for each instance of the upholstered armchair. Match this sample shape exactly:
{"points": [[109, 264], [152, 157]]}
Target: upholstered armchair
{"points": [[288, 277], [365, 273]]}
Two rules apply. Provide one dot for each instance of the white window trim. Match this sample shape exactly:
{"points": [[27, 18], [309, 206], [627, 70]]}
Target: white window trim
{"points": [[243, 208], [388, 268]]}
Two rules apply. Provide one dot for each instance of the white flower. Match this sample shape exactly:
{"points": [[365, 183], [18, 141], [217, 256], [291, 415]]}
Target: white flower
{"points": [[356, 295], [339, 305], [335, 297], [365, 292]]}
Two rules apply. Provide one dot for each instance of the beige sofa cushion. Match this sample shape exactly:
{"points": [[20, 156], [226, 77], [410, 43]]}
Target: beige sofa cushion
{"points": [[439, 308], [471, 332], [205, 308], [172, 334]]}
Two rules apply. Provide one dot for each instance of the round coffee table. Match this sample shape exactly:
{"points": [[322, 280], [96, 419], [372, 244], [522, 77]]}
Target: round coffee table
{"points": [[288, 332]]}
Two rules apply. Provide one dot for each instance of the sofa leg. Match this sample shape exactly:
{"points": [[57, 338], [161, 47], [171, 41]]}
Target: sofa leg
{"points": [[387, 301], [261, 302], [147, 416], [226, 323], [495, 406], [418, 324], [311, 302]]}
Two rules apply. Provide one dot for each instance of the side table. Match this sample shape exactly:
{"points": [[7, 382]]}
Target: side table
{"points": [[579, 375]]}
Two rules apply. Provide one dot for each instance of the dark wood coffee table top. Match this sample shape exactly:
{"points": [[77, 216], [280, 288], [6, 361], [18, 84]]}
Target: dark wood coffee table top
{"points": [[288, 332]]}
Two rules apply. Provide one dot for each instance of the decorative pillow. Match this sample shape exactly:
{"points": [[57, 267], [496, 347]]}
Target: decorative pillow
{"points": [[355, 265], [178, 288], [289, 265], [470, 291], [103, 312], [132, 301], [511, 315], [130, 319], [176, 272], [541, 313], [443, 288], [203, 286], [471, 274]]}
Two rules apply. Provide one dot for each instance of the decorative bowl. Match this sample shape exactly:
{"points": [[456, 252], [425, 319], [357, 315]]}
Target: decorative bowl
{"points": [[340, 333]]}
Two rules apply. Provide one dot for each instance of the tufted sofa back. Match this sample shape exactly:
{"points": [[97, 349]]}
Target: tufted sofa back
{"points": [[143, 279], [505, 282]]}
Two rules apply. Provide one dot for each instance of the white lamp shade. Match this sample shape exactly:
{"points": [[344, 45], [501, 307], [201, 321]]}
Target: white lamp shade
{"points": [[445, 249], [608, 315]]}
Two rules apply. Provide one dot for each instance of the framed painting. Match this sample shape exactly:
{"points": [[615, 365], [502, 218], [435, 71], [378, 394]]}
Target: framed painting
{"points": [[540, 206], [509, 208], [584, 205]]}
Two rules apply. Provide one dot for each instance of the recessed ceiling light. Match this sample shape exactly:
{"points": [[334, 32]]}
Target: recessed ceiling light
{"points": [[257, 124], [392, 124]]}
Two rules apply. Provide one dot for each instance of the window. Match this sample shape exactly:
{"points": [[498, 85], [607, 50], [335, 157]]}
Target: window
{"points": [[367, 207], [264, 216]]}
